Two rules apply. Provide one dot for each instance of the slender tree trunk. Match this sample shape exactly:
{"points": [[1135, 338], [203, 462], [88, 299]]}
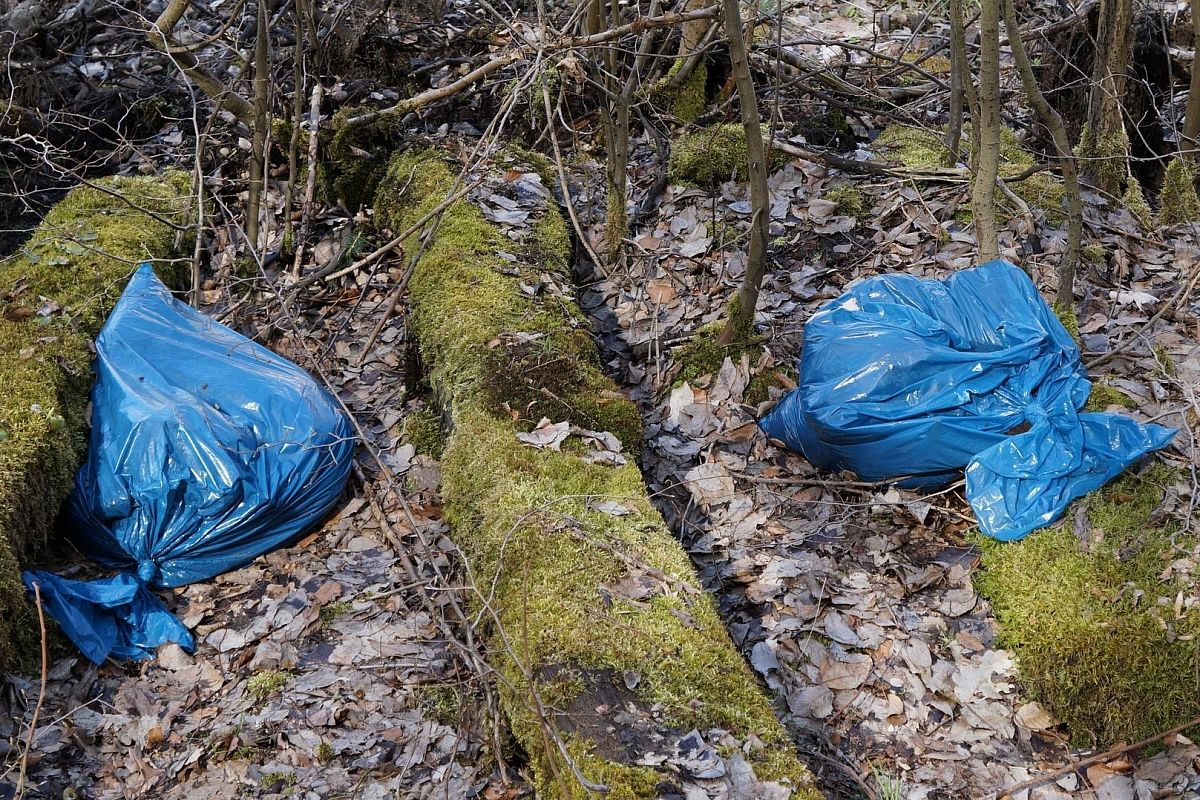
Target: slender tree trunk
{"points": [[297, 120], [1106, 145], [958, 55], [258, 144], [614, 117], [1191, 121], [741, 312], [310, 185], [983, 194], [1065, 297], [972, 98]]}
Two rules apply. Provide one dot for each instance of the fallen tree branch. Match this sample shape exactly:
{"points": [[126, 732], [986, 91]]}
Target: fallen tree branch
{"points": [[1107, 755], [638, 25], [159, 35]]}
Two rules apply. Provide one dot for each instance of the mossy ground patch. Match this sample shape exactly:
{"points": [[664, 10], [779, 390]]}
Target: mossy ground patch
{"points": [[1091, 608]]}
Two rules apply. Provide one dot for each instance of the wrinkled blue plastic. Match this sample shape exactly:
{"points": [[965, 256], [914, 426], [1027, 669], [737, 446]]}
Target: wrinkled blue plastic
{"points": [[910, 379], [206, 451]]}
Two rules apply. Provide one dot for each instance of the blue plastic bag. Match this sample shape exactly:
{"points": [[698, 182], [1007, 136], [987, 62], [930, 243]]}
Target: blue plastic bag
{"points": [[206, 451], [910, 379]]}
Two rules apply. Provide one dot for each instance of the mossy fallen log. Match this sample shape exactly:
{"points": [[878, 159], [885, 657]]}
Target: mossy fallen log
{"points": [[601, 632], [54, 297]]}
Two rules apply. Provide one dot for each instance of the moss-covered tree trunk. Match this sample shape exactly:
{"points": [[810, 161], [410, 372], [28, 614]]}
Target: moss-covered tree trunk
{"points": [[592, 605], [53, 300]]}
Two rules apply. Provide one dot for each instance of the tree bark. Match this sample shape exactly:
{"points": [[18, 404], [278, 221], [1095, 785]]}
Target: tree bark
{"points": [[958, 69], [1065, 297], [1107, 152], [297, 120], [1191, 121], [741, 311], [258, 144], [983, 194]]}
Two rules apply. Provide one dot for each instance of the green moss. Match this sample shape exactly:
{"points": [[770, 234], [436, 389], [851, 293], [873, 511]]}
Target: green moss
{"points": [[936, 65], [1178, 200], [1094, 253], [686, 101], [80, 257], [1135, 203], [273, 779], [915, 148], [423, 430], [758, 389], [850, 200], [266, 683], [1104, 158], [551, 239], [708, 156], [704, 355], [249, 752], [331, 611], [1069, 319], [924, 148], [324, 753], [1165, 364], [523, 355], [445, 702], [527, 522], [1103, 395], [355, 160], [1091, 615]]}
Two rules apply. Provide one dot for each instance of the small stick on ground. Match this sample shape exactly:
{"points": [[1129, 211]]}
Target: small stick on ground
{"points": [[37, 709], [1107, 755]]}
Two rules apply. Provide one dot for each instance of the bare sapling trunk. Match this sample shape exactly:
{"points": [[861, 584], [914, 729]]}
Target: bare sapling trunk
{"points": [[310, 185], [1065, 296], [958, 69], [741, 311], [1105, 145], [983, 190], [972, 97], [614, 117], [1191, 120], [258, 142], [297, 119]]}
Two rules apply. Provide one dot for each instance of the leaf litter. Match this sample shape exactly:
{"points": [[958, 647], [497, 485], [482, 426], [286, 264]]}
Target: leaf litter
{"points": [[852, 601]]}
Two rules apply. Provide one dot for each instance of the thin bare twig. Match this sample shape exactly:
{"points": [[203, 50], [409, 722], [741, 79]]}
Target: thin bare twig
{"points": [[37, 709]]}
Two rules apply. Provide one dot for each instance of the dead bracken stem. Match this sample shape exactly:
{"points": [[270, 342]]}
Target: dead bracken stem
{"points": [[37, 709]]}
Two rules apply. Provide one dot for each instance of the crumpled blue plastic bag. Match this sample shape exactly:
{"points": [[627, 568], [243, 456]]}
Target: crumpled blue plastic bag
{"points": [[911, 379], [206, 451]]}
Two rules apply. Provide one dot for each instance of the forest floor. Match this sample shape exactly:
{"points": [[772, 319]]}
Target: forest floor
{"points": [[855, 602]]}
